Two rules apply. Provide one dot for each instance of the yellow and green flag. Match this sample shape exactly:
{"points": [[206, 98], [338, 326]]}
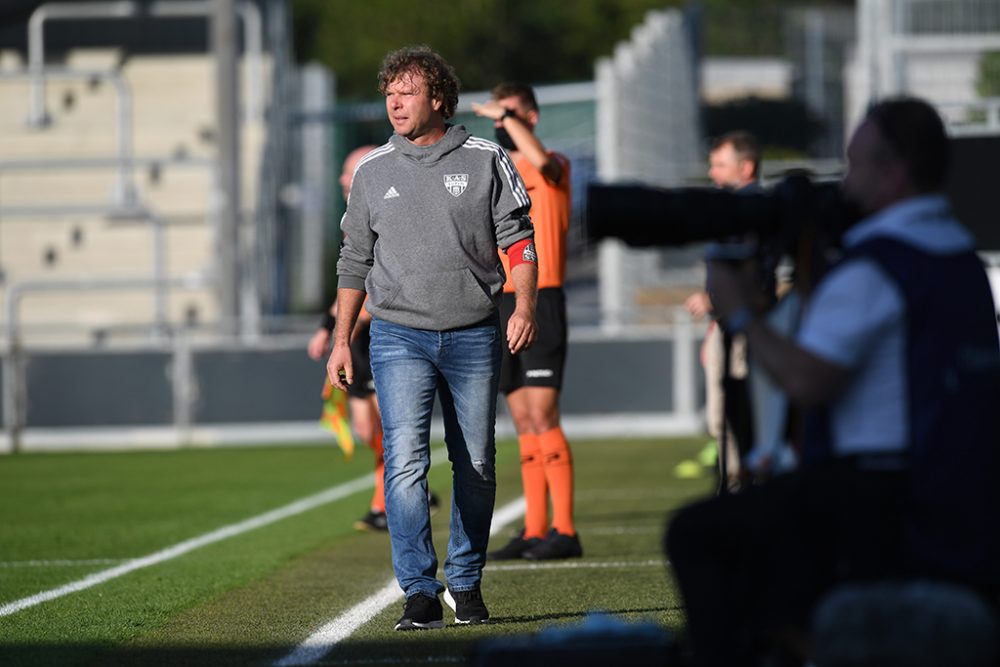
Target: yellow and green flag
{"points": [[336, 418]]}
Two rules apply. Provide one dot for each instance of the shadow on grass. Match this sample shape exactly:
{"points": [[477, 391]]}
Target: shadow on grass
{"points": [[424, 648], [421, 649], [503, 620], [513, 651]]}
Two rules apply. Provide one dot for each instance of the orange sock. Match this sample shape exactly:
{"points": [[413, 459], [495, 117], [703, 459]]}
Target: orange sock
{"points": [[558, 464], [378, 499], [536, 513]]}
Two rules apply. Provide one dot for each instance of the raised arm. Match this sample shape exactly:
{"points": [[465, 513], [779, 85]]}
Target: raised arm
{"points": [[529, 145]]}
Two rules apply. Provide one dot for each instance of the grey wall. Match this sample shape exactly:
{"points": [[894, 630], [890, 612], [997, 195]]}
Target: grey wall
{"points": [[98, 389], [616, 376], [277, 384], [256, 386]]}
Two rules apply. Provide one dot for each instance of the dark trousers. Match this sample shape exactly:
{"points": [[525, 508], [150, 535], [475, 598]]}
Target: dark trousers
{"points": [[754, 564]]}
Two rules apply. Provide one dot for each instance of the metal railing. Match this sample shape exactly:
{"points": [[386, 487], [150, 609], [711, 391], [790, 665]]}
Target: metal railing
{"points": [[124, 9], [13, 377], [125, 192]]}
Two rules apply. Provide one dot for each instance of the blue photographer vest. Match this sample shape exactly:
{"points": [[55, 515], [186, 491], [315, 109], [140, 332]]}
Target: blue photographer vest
{"points": [[952, 526]]}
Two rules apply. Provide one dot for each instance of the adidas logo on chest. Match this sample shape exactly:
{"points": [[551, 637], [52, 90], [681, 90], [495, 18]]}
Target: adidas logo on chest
{"points": [[391, 193]]}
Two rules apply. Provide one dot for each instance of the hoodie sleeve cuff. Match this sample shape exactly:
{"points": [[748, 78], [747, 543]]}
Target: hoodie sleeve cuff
{"points": [[351, 282]]}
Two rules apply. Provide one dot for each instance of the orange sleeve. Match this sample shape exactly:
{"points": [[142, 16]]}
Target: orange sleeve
{"points": [[550, 211]]}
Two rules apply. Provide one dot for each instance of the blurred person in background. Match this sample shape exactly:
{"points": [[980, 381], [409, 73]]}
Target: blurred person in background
{"points": [[531, 380], [427, 212], [734, 164], [896, 363], [365, 420]]}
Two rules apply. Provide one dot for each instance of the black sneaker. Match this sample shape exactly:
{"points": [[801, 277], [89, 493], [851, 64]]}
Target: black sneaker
{"points": [[421, 612], [372, 521], [433, 503], [468, 606], [515, 548], [555, 546]]}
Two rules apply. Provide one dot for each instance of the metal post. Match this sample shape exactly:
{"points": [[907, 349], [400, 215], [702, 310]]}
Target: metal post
{"points": [[253, 35], [182, 376], [684, 366], [160, 325], [815, 65], [610, 252], [12, 386], [125, 196], [38, 116], [227, 197], [317, 180]]}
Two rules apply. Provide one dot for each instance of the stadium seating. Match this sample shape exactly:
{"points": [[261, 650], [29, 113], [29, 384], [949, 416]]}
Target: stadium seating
{"points": [[57, 215]]}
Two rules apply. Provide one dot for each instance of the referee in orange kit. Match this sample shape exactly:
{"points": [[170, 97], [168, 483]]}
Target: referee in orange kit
{"points": [[531, 380]]}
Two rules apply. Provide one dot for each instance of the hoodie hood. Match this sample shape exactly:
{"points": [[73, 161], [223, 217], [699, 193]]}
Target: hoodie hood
{"points": [[454, 137]]}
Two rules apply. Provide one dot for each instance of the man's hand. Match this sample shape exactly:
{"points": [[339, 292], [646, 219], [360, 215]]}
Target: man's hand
{"points": [[492, 110], [521, 331], [699, 305], [807, 379], [339, 367], [318, 345], [521, 327]]}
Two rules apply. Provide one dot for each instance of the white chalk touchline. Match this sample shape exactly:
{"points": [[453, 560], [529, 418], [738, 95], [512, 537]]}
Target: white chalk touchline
{"points": [[321, 642], [62, 562], [623, 530], [587, 565], [297, 507]]}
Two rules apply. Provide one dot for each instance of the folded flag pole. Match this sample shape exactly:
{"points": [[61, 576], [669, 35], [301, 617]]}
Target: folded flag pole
{"points": [[335, 417]]}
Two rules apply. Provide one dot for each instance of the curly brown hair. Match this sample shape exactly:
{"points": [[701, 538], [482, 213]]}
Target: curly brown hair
{"points": [[442, 82]]}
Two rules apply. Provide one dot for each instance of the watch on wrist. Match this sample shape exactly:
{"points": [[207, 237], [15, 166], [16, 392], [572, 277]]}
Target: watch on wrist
{"points": [[738, 321], [508, 113]]}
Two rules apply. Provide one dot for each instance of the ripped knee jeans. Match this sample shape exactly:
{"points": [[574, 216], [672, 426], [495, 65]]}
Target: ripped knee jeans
{"points": [[461, 367]]}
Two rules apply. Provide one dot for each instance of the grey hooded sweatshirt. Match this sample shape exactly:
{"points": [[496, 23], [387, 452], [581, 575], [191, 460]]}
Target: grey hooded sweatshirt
{"points": [[422, 228]]}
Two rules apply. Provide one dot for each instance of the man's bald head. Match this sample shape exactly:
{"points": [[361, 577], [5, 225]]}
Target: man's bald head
{"points": [[350, 164]]}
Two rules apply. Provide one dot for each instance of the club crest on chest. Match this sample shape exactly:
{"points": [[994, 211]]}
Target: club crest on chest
{"points": [[456, 183]]}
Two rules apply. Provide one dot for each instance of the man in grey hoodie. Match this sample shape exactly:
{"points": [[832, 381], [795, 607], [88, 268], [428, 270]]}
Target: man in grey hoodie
{"points": [[426, 214]]}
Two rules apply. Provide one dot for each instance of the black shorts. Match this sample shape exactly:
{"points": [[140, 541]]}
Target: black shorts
{"points": [[364, 384], [541, 365]]}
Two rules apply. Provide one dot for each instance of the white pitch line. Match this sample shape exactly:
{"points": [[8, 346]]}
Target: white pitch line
{"points": [[326, 638], [62, 563], [620, 564], [321, 642], [622, 530], [297, 507]]}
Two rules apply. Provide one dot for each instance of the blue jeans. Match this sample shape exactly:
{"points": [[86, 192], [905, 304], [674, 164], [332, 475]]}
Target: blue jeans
{"points": [[463, 367]]}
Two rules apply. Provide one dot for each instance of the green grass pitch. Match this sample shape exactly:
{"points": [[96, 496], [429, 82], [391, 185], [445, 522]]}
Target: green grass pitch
{"points": [[253, 597]]}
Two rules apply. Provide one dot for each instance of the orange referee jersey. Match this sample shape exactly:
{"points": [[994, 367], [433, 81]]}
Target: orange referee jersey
{"points": [[550, 205]]}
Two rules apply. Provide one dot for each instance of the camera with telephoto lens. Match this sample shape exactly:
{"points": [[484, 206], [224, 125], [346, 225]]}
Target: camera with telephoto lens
{"points": [[798, 217]]}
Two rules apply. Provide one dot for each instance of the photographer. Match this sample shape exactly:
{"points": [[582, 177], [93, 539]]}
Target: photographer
{"points": [[895, 365]]}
